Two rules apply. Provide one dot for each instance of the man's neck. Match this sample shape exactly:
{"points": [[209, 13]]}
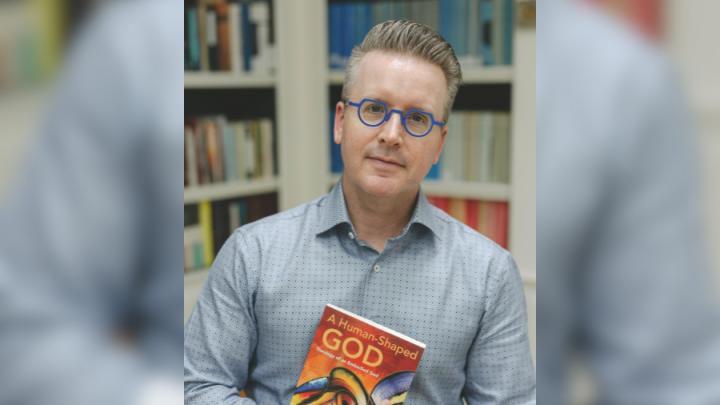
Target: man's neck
{"points": [[377, 219]]}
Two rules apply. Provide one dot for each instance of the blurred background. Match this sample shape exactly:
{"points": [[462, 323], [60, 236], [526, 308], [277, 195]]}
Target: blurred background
{"points": [[90, 214], [685, 32], [627, 127], [34, 36]]}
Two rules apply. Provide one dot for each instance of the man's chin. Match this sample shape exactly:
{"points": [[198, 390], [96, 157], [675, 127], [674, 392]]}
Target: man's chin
{"points": [[381, 186]]}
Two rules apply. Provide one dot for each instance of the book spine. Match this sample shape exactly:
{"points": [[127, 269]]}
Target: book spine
{"points": [[211, 38], [486, 11], [239, 132], [223, 34], [205, 214], [235, 38], [191, 160], [260, 20], [266, 135], [220, 224], [201, 153], [229, 156], [202, 34], [193, 39], [508, 27], [457, 209], [247, 36], [471, 211], [497, 35]]}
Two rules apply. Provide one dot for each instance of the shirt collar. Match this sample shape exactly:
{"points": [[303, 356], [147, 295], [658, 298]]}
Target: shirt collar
{"points": [[333, 212]]}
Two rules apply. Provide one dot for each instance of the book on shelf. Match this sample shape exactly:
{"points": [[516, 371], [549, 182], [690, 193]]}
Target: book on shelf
{"points": [[353, 360], [230, 36], [208, 224], [218, 150], [477, 147], [490, 218], [479, 30]]}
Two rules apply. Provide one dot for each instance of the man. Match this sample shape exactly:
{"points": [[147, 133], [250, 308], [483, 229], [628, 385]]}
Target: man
{"points": [[373, 246]]}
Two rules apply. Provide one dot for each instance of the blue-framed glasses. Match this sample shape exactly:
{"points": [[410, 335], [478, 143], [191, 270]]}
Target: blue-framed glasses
{"points": [[373, 113]]}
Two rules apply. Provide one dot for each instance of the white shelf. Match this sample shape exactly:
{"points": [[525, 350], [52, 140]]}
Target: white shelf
{"points": [[209, 80], [196, 277], [471, 75], [336, 76], [485, 75], [460, 189], [468, 190], [220, 191]]}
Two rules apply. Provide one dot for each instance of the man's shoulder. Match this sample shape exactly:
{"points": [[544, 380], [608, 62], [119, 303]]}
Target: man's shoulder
{"points": [[283, 221]]}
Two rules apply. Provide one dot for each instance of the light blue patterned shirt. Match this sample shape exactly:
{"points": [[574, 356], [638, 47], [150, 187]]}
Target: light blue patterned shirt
{"points": [[439, 282]]}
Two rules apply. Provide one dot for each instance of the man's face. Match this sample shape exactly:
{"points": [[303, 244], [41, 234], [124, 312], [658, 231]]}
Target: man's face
{"points": [[386, 160]]}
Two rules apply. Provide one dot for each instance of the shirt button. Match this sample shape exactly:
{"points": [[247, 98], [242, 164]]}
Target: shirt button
{"points": [[351, 235], [376, 268]]}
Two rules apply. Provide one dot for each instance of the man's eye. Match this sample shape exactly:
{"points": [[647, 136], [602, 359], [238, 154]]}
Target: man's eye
{"points": [[375, 108], [417, 117]]}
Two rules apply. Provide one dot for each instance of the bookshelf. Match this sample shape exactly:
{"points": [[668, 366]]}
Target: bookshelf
{"points": [[231, 116], [219, 191], [302, 131], [471, 75]]}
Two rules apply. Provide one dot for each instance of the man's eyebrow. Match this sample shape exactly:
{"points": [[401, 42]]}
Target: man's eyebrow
{"points": [[412, 106]]}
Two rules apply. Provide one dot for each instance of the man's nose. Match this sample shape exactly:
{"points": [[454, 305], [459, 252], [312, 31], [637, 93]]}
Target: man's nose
{"points": [[392, 131]]}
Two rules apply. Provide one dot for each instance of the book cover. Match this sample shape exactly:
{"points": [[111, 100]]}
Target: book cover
{"points": [[353, 360]]}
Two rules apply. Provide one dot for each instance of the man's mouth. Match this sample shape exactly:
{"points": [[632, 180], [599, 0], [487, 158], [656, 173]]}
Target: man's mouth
{"points": [[386, 160]]}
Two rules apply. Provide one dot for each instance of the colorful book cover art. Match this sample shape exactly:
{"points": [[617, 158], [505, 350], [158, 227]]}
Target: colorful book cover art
{"points": [[355, 361]]}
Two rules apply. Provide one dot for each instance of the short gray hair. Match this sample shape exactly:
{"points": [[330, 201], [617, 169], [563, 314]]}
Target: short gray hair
{"points": [[408, 38]]}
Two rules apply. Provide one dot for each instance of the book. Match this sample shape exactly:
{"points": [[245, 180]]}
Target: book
{"points": [[353, 360], [193, 40], [211, 39], [222, 15], [206, 227]]}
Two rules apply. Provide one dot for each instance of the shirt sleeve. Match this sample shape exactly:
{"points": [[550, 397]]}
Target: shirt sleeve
{"points": [[221, 333], [499, 365]]}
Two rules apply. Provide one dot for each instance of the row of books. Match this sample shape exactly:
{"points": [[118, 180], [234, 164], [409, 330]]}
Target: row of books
{"points": [[477, 148], [217, 150], [490, 218], [223, 35], [209, 224], [480, 30]]}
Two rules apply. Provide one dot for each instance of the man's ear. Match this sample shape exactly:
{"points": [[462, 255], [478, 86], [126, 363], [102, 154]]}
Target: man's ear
{"points": [[443, 134], [338, 124]]}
